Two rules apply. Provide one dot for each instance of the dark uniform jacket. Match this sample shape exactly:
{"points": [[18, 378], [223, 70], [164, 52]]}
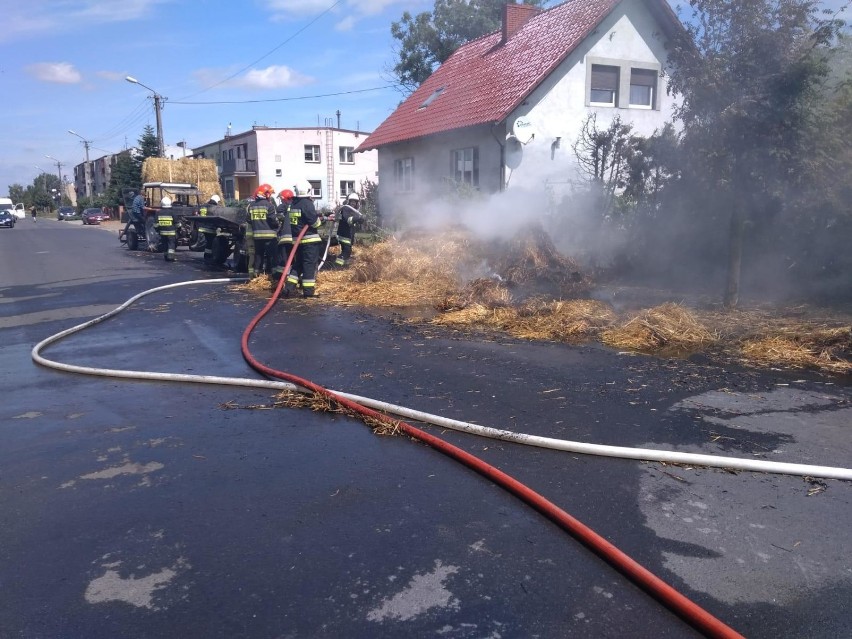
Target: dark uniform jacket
{"points": [[262, 220], [303, 213], [348, 217]]}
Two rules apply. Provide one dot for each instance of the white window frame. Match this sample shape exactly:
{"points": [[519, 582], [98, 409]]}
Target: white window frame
{"points": [[625, 69], [614, 101], [346, 187], [652, 90], [403, 175], [312, 153], [463, 162], [316, 188], [346, 154]]}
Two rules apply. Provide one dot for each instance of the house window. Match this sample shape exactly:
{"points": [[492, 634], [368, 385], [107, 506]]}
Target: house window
{"points": [[643, 88], [347, 154], [403, 175], [346, 187], [464, 165], [316, 187], [604, 87], [277, 158], [277, 172], [312, 153]]}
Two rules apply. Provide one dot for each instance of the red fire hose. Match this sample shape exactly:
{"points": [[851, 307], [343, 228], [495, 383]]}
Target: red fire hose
{"points": [[678, 603]]}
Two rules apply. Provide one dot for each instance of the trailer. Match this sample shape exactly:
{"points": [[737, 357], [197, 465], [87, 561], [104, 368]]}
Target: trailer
{"points": [[143, 233], [230, 223]]}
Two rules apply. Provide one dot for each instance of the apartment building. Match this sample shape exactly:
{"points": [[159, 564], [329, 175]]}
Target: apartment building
{"points": [[323, 156], [101, 172]]}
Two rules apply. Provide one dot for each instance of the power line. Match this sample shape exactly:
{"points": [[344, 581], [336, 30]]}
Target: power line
{"points": [[303, 97], [265, 55]]}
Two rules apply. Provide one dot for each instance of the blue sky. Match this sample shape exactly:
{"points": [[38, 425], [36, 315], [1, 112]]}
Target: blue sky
{"points": [[63, 64]]}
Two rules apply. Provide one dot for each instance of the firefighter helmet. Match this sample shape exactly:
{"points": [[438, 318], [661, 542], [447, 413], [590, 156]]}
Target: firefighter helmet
{"points": [[166, 202], [264, 190], [303, 189], [353, 197], [286, 194], [215, 198]]}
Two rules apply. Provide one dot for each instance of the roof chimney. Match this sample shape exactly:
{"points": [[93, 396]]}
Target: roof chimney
{"points": [[514, 17]]}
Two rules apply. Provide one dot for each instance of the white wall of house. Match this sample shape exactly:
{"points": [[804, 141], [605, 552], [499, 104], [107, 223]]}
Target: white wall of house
{"points": [[558, 107], [279, 157]]}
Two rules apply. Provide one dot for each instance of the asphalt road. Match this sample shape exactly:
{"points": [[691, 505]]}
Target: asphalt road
{"points": [[149, 509]]}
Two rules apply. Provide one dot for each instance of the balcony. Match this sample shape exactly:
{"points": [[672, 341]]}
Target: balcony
{"points": [[239, 167]]}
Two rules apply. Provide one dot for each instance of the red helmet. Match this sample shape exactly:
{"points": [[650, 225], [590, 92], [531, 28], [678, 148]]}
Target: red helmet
{"points": [[286, 194], [264, 190]]}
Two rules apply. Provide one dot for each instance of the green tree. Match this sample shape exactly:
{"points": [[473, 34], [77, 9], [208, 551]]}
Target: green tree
{"points": [[148, 144], [126, 174], [749, 74], [16, 192], [429, 38]]}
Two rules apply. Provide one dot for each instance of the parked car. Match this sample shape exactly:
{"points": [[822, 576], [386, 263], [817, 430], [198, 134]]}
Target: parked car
{"points": [[94, 216], [65, 212], [7, 218]]}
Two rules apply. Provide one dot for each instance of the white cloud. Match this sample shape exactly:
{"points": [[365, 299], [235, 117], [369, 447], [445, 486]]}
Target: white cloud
{"points": [[272, 77], [347, 24], [111, 75], [58, 72], [52, 16]]}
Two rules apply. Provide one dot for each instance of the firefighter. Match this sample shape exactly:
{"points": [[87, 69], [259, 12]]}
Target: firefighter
{"points": [[285, 234], [207, 229], [348, 216], [262, 224], [166, 229], [303, 213]]}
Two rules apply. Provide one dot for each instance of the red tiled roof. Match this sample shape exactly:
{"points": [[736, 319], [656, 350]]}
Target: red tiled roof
{"points": [[484, 80]]}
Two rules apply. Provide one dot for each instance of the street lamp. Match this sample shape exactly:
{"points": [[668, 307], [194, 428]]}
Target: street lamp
{"points": [[86, 166], [158, 107]]}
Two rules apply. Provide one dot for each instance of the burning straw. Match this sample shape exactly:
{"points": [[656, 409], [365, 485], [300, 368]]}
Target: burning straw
{"points": [[667, 325]]}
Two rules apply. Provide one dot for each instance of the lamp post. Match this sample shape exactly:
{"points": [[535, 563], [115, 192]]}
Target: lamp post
{"points": [[158, 107], [59, 170], [85, 166]]}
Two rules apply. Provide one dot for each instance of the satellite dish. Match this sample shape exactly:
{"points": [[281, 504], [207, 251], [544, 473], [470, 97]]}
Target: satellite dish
{"points": [[523, 129], [514, 152]]}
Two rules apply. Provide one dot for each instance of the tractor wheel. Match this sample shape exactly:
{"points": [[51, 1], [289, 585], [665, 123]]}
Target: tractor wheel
{"points": [[132, 239], [221, 250], [151, 235]]}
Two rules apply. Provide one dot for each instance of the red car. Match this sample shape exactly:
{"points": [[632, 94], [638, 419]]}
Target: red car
{"points": [[94, 216]]}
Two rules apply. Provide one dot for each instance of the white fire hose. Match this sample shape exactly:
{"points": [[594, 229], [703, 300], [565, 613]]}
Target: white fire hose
{"points": [[714, 461]]}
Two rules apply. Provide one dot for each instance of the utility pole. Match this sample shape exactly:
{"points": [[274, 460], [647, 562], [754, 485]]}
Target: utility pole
{"points": [[59, 170], [86, 167], [158, 107]]}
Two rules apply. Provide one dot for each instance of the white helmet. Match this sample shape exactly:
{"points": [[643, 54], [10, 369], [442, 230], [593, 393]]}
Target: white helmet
{"points": [[303, 189], [353, 197], [215, 198], [166, 202]]}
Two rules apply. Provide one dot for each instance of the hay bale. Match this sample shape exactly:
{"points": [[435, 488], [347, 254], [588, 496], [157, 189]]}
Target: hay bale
{"points": [[667, 325], [201, 172]]}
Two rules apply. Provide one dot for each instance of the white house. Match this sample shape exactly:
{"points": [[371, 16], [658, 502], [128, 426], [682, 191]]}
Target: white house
{"points": [[507, 107], [324, 156]]}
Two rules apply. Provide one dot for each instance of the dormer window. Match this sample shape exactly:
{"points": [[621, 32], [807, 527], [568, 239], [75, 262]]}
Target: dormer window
{"points": [[431, 98]]}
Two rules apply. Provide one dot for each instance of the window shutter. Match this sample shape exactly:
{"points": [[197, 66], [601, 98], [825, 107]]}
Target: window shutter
{"points": [[643, 77], [604, 77]]}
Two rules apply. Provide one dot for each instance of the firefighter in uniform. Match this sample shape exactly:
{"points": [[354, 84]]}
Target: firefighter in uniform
{"points": [[302, 214], [262, 224], [285, 235], [166, 229], [206, 228], [348, 217]]}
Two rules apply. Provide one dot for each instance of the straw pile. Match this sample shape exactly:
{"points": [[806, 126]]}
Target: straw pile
{"points": [[533, 258], [398, 274], [261, 284], [669, 325], [824, 348], [485, 291], [200, 172]]}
